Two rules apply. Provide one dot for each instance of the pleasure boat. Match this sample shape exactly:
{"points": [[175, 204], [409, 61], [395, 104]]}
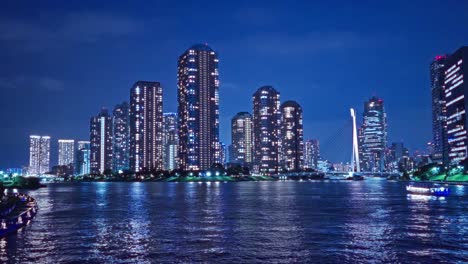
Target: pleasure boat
{"points": [[437, 191]]}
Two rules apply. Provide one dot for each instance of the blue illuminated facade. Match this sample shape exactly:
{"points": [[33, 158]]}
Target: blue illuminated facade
{"points": [[456, 92], [373, 136], [83, 153]]}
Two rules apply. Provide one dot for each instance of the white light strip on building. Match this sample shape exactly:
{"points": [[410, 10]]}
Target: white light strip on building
{"points": [[456, 100], [454, 86], [456, 114], [103, 141]]}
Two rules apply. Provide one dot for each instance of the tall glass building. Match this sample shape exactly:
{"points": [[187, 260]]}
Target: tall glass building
{"points": [[39, 154], [373, 136], [266, 125], [198, 108], [439, 110], [456, 92], [101, 142], [146, 126], [311, 154], [241, 139], [291, 137], [66, 151], [83, 153], [170, 141], [121, 137]]}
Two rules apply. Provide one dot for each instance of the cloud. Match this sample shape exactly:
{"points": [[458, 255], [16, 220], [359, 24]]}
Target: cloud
{"points": [[51, 84], [256, 16], [312, 42], [230, 86], [85, 27], [21, 83], [91, 27]]}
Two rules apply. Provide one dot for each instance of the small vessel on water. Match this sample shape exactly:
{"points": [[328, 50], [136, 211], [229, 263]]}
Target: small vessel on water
{"points": [[437, 191], [353, 176], [16, 211]]}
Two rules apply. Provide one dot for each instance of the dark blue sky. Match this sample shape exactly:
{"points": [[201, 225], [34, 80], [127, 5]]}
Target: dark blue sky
{"points": [[61, 61]]}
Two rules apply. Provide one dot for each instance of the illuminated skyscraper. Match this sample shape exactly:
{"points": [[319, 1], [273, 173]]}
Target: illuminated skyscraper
{"points": [[439, 110], [198, 108], [66, 151], [121, 137], [311, 154], [170, 141], [83, 153], [101, 142], [34, 154], [266, 124], [373, 136], [44, 162], [241, 137], [456, 92], [291, 136], [39, 154], [146, 126]]}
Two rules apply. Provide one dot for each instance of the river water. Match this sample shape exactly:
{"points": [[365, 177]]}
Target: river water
{"points": [[246, 222]]}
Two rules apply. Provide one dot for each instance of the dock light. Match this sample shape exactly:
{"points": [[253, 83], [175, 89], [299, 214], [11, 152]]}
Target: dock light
{"points": [[217, 173], [208, 174]]}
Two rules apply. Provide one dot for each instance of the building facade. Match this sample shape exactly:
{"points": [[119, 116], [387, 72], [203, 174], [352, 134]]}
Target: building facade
{"points": [[170, 141], [121, 137], [266, 125], [101, 142], [439, 110], [291, 137], [83, 154], [396, 153], [198, 108], [455, 90], [311, 154], [39, 154], [241, 151], [146, 126], [373, 136], [66, 152]]}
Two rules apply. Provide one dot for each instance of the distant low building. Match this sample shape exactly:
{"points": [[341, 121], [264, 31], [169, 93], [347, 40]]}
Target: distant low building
{"points": [[311, 154], [324, 166], [62, 170], [83, 154]]}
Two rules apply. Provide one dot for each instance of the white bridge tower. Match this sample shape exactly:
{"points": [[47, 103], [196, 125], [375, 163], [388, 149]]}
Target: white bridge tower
{"points": [[355, 155]]}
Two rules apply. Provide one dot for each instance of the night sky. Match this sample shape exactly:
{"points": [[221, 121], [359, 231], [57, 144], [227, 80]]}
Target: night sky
{"points": [[61, 61]]}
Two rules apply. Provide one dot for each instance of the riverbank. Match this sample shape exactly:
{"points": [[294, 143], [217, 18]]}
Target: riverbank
{"points": [[16, 211], [221, 178]]}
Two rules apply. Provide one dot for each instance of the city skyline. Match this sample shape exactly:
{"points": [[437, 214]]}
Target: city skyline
{"points": [[345, 91], [136, 137]]}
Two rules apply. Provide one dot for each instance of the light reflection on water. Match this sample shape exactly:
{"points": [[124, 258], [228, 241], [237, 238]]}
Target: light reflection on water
{"points": [[327, 222]]}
